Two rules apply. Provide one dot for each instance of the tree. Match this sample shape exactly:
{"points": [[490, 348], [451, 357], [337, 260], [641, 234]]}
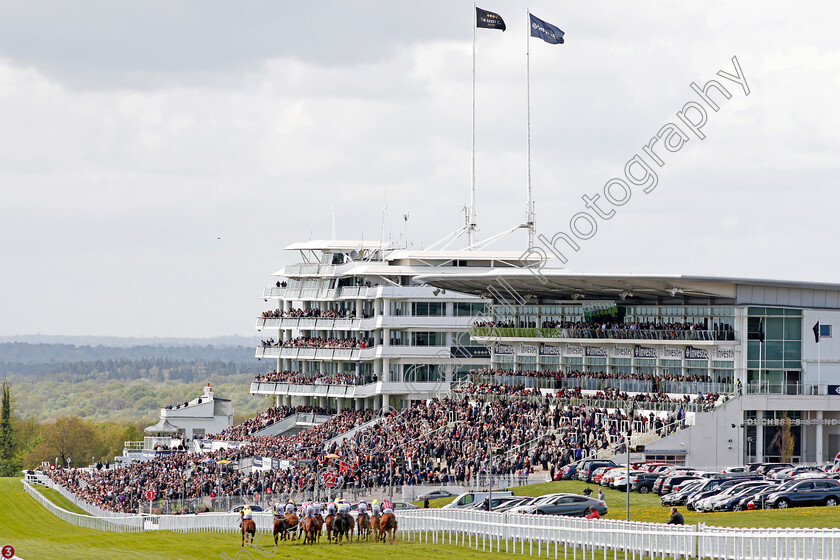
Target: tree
{"points": [[8, 450], [67, 437], [786, 442]]}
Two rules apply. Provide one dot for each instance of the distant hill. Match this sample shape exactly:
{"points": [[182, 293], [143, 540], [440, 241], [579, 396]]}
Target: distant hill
{"points": [[44, 353], [117, 341]]}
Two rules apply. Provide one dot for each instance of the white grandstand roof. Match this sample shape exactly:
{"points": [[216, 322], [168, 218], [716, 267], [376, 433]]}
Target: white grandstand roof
{"points": [[334, 245], [557, 284]]}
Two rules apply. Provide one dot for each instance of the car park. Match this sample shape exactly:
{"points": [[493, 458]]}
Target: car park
{"points": [[670, 481]]}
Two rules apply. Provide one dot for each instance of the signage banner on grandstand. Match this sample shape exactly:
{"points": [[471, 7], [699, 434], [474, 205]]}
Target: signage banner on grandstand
{"points": [[500, 348], [671, 353], [644, 352], [281, 464], [549, 350], [469, 352], [527, 349], [723, 354], [621, 352], [692, 353], [596, 352], [258, 462], [570, 351]]}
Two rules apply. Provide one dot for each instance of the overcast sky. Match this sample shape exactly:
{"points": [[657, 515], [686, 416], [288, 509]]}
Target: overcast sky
{"points": [[155, 157]]}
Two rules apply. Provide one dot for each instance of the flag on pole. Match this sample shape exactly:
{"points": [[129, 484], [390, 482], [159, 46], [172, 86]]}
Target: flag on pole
{"points": [[761, 330], [549, 33], [489, 20], [817, 332]]}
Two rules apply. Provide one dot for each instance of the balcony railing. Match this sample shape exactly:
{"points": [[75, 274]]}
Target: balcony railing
{"points": [[603, 334]]}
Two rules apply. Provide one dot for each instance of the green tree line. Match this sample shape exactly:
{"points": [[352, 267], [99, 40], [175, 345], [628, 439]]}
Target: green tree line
{"points": [[25, 443]]}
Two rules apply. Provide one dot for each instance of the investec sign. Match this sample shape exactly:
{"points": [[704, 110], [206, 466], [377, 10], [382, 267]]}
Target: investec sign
{"points": [[644, 352], [692, 353]]}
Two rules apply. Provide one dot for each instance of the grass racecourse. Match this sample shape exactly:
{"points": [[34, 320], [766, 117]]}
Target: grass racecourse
{"points": [[36, 534]]}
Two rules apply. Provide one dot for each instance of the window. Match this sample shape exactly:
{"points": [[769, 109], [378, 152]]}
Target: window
{"points": [[428, 309], [825, 331], [468, 309], [428, 338]]}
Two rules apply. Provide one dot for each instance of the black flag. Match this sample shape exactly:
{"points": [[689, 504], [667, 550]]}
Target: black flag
{"points": [[761, 330], [817, 332], [489, 20]]}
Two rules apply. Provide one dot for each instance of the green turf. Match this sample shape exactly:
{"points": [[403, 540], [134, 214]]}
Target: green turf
{"points": [[35, 533], [646, 507], [59, 500]]}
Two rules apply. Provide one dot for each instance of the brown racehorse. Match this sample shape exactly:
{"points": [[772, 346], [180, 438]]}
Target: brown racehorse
{"points": [[320, 519], [249, 529], [328, 524], [363, 526], [286, 526], [387, 527], [311, 528], [374, 525]]}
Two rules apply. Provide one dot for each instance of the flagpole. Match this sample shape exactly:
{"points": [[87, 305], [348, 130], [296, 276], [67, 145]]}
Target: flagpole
{"points": [[529, 217], [471, 224], [819, 361]]}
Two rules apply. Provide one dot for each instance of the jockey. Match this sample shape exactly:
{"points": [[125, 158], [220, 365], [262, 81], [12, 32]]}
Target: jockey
{"points": [[331, 509], [387, 507], [245, 514], [290, 507], [362, 507], [374, 507], [277, 510], [343, 507], [310, 509], [318, 507]]}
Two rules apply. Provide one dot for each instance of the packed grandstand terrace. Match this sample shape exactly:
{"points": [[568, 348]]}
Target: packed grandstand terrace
{"points": [[496, 428]]}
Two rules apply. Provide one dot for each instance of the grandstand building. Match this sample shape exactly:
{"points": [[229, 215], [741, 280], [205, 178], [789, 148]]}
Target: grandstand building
{"points": [[349, 327], [768, 346]]}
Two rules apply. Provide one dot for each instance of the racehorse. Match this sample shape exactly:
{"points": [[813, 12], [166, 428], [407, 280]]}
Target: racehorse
{"points": [[363, 526], [285, 527], [320, 519], [311, 528], [374, 525], [328, 522], [342, 526], [387, 527], [249, 529]]}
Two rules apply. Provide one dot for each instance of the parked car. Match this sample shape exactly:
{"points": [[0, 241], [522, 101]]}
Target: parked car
{"points": [[679, 496], [471, 498], [667, 485], [563, 504], [435, 494], [494, 503], [619, 481], [237, 509], [403, 505], [643, 482], [587, 469], [731, 500], [718, 484], [811, 492], [567, 472]]}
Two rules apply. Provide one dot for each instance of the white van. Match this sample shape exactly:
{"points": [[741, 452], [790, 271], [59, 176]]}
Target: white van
{"points": [[471, 498]]}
